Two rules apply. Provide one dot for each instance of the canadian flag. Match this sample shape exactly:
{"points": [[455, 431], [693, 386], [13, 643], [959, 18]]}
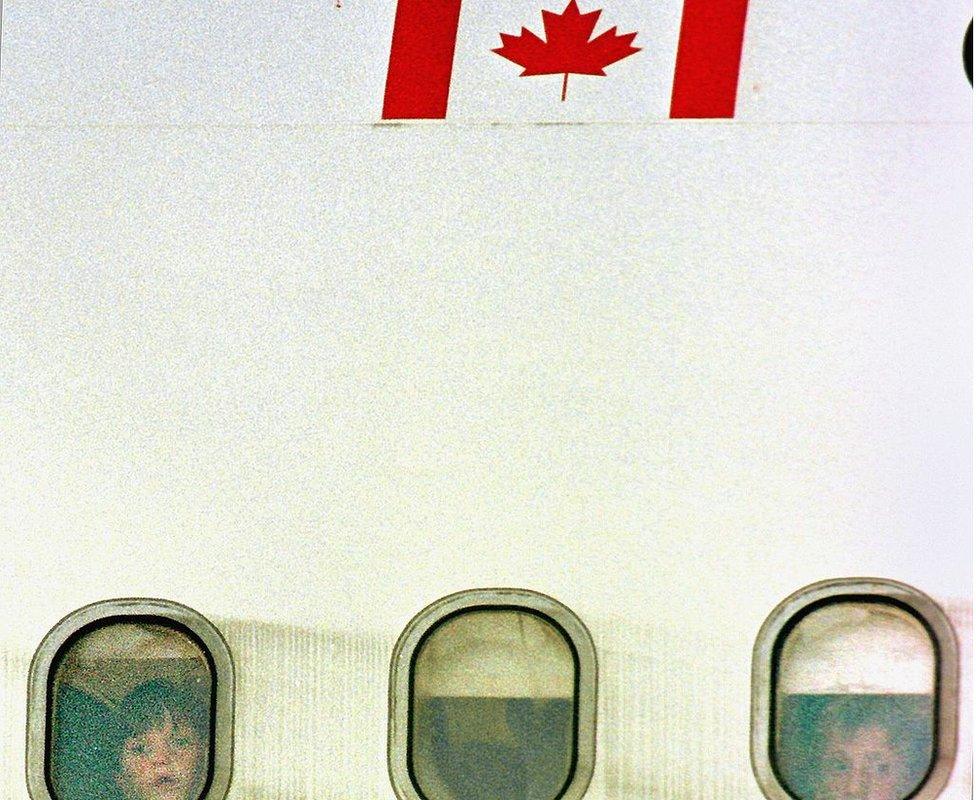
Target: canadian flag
{"points": [[475, 62], [448, 58]]}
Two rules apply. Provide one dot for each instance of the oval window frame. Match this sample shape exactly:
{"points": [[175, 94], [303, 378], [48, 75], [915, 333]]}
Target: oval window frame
{"points": [[791, 611], [552, 611], [105, 612]]}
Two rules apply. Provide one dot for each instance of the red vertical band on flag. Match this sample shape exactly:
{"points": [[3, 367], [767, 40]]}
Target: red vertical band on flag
{"points": [[421, 58], [706, 74]]}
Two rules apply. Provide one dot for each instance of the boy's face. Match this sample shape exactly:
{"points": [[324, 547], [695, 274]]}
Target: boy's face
{"points": [[862, 764], [162, 763]]}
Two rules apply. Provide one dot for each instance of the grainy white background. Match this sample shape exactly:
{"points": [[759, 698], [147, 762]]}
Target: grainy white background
{"points": [[307, 375]]}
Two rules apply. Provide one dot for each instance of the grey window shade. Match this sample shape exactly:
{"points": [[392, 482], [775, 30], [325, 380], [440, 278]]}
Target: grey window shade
{"points": [[493, 696]]}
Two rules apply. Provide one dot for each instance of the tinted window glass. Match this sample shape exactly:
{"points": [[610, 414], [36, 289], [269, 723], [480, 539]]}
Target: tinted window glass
{"points": [[130, 717], [493, 695], [855, 703]]}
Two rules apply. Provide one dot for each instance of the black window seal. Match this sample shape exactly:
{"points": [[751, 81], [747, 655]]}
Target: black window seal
{"points": [[791, 611], [106, 612]]}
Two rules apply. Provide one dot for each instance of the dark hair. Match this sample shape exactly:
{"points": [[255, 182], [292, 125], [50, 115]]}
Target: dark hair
{"points": [[147, 705]]}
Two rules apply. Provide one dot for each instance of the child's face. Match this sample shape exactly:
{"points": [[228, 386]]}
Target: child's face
{"points": [[162, 763], [863, 765]]}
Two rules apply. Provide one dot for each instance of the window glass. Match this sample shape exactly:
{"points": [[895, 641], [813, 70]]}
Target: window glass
{"points": [[130, 717], [854, 702], [492, 717]]}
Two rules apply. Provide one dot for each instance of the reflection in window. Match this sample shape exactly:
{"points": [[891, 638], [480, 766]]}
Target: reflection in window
{"points": [[492, 714], [855, 702], [131, 714]]}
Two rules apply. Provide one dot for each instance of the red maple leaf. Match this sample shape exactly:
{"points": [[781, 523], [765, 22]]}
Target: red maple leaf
{"points": [[567, 47]]}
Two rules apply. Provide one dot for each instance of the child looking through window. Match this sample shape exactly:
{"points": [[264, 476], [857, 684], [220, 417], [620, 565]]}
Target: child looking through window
{"points": [[164, 753]]}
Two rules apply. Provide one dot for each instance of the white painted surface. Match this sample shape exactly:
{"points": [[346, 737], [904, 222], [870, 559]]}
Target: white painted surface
{"points": [[319, 376]]}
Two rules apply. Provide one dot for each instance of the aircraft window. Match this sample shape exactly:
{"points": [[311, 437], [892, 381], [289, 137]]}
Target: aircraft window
{"points": [[130, 700], [493, 698], [855, 704]]}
